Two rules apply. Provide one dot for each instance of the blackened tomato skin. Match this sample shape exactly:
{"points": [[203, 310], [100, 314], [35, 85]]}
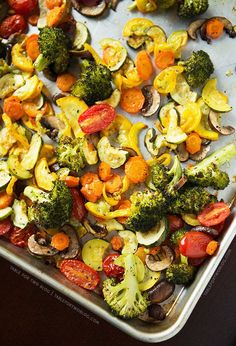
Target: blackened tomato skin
{"points": [[13, 24], [19, 237], [80, 274], [214, 214], [194, 244], [5, 226], [110, 268], [24, 7]]}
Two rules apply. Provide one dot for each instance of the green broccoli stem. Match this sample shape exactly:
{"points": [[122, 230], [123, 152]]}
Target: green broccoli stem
{"points": [[41, 63], [218, 158]]}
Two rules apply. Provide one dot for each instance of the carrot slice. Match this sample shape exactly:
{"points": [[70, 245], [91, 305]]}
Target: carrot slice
{"points": [[132, 100], [136, 169], [71, 181], [92, 192], [32, 47], [60, 241], [193, 143], [53, 3], [214, 28], [104, 171], [13, 107], [5, 200], [164, 59], [144, 65], [88, 178], [65, 81], [117, 243], [212, 247], [114, 184]]}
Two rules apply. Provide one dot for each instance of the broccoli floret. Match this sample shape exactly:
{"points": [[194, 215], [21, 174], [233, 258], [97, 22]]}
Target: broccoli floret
{"points": [[177, 236], [94, 83], [197, 68], [147, 209], [192, 8], [53, 49], [4, 68], [52, 209], [191, 200], [167, 180], [207, 172], [180, 274], [125, 298], [70, 154]]}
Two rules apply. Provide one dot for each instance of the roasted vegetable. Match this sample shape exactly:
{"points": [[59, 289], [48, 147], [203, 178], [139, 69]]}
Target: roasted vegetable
{"points": [[177, 236], [94, 83], [192, 8], [180, 274], [125, 298]]}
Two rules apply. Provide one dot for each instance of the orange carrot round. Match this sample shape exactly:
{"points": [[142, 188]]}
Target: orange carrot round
{"points": [[88, 178], [136, 169], [92, 192], [144, 65], [117, 243], [114, 184], [132, 100], [53, 3], [5, 200], [164, 59], [60, 241], [193, 143], [212, 247], [71, 181], [13, 107], [104, 171], [65, 81], [32, 47], [214, 28]]}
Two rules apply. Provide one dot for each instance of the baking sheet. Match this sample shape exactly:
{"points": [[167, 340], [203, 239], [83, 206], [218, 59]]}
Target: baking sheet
{"points": [[223, 54]]}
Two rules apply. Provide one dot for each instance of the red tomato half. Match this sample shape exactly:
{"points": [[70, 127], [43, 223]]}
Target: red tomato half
{"points": [[5, 226], [194, 244], [175, 222], [110, 269], [19, 237], [80, 274], [79, 211], [24, 7], [96, 118], [13, 24], [214, 214]]}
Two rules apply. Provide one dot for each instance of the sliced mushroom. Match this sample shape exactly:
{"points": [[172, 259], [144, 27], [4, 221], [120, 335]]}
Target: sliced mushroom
{"points": [[52, 123], [211, 231], [74, 248], [131, 151], [161, 291], [113, 4], [96, 230], [194, 27], [157, 265], [214, 122], [203, 33], [182, 153], [93, 11], [200, 155], [155, 313], [152, 101], [39, 246], [206, 142], [57, 97]]}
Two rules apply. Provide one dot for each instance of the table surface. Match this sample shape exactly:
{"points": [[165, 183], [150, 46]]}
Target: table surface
{"points": [[33, 314]]}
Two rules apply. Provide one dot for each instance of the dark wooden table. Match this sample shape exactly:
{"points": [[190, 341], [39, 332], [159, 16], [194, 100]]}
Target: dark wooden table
{"points": [[30, 315]]}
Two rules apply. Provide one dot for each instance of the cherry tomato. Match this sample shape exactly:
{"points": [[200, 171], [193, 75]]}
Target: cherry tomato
{"points": [[24, 7], [194, 244], [80, 274], [13, 24], [19, 237], [214, 214], [219, 227], [97, 118], [175, 222], [5, 226], [79, 210], [196, 262], [110, 269]]}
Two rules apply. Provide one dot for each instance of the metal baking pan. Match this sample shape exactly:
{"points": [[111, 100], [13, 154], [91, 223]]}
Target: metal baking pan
{"points": [[184, 301]]}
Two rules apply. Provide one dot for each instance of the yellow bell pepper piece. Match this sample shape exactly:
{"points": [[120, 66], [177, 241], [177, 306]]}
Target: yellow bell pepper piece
{"points": [[67, 131], [118, 80], [37, 90], [44, 178], [14, 130], [205, 132], [22, 62], [95, 55], [94, 209], [190, 117], [10, 186], [164, 159], [125, 184], [47, 151], [165, 82], [110, 200], [133, 136]]}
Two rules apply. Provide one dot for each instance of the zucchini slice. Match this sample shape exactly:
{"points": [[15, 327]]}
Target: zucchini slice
{"points": [[9, 83], [214, 98], [136, 42], [182, 93], [114, 54], [93, 253], [156, 236], [19, 215], [35, 194], [164, 114], [82, 36], [4, 213], [140, 268], [113, 100], [149, 142], [30, 159], [175, 134], [5, 175], [130, 242], [44, 178], [115, 157], [91, 156], [15, 167], [150, 278]]}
